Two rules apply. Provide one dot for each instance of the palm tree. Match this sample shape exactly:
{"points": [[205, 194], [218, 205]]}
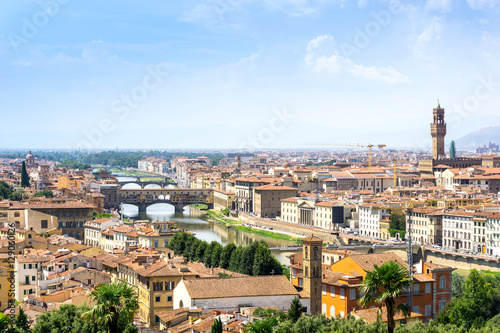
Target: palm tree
{"points": [[384, 285], [262, 326], [113, 301]]}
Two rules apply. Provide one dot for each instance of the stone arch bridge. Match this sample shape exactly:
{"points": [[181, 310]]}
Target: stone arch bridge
{"points": [[178, 197]]}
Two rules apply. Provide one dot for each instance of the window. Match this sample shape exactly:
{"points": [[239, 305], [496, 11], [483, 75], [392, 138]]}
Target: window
{"points": [[157, 298], [428, 310], [301, 283], [30, 266], [416, 288], [324, 289], [84, 213], [416, 309], [427, 288], [169, 298], [442, 282], [442, 303], [342, 293], [352, 293], [332, 291], [44, 224]]}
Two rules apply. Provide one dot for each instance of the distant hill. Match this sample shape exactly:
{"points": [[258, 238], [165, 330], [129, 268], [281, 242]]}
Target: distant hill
{"points": [[479, 138]]}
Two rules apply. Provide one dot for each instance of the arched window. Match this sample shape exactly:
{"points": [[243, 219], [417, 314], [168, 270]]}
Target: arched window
{"points": [[323, 309], [332, 311], [442, 282]]}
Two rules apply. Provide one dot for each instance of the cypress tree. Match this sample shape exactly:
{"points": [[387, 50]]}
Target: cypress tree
{"points": [[25, 179], [453, 151]]}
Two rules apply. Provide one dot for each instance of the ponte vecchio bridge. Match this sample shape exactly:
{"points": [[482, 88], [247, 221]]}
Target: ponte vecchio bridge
{"points": [[178, 197]]}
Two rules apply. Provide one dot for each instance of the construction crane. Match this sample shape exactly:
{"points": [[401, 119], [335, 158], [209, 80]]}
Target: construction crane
{"points": [[368, 145], [395, 171], [409, 253]]}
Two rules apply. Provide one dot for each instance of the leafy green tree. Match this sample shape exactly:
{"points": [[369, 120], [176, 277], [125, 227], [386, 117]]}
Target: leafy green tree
{"points": [[44, 193], [207, 259], [216, 326], [66, 319], [5, 190], [225, 211], [191, 253], [264, 262], [457, 281], [225, 256], [478, 302], [247, 258], [200, 251], [5, 322], [296, 310], [17, 195], [384, 285], [397, 221], [216, 252], [25, 179], [234, 262], [114, 301]]}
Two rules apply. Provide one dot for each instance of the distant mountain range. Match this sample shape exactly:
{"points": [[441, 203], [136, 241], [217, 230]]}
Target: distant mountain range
{"points": [[478, 138]]}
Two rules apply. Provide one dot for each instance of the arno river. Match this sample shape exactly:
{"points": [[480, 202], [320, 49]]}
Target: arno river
{"points": [[197, 223]]}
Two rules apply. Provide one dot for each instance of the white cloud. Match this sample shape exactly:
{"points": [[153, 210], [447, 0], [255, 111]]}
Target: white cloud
{"points": [[337, 64], [438, 5], [430, 34], [482, 4]]}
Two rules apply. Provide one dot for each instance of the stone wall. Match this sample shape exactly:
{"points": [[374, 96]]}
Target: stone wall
{"points": [[462, 261], [285, 227]]}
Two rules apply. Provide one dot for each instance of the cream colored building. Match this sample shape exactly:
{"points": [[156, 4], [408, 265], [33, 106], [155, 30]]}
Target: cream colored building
{"points": [[267, 199], [93, 230], [427, 225]]}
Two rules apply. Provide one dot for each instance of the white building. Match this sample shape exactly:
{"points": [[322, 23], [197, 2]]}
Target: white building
{"points": [[93, 230], [233, 293], [458, 231], [328, 215], [369, 219], [28, 268], [492, 232]]}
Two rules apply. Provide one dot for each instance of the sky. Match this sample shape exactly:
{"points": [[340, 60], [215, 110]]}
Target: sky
{"points": [[244, 74]]}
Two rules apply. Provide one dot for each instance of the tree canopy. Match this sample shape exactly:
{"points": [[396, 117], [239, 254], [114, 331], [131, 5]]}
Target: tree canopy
{"points": [[255, 259]]}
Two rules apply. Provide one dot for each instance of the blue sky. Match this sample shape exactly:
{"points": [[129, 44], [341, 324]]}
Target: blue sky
{"points": [[244, 73]]}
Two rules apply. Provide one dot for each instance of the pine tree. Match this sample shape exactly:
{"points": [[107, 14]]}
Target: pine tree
{"points": [[21, 321], [296, 310], [25, 179]]}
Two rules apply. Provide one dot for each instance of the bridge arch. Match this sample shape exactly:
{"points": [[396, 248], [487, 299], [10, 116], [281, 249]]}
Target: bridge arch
{"points": [[153, 186], [131, 186]]}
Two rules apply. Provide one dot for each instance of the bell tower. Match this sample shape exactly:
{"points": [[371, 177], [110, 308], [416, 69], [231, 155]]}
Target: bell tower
{"points": [[438, 132], [312, 274]]}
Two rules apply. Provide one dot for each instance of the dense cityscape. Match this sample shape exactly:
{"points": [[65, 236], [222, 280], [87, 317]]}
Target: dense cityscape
{"points": [[278, 232], [252, 166]]}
